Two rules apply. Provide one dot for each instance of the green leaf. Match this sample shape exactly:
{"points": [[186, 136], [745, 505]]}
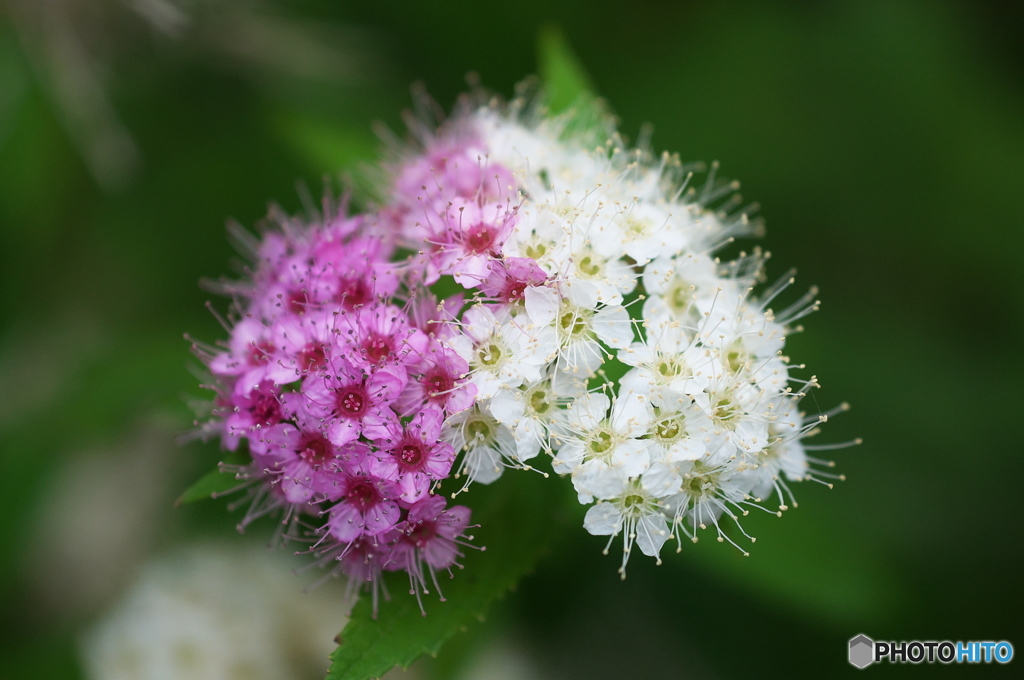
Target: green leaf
{"points": [[566, 82], [567, 87], [213, 482], [516, 526]]}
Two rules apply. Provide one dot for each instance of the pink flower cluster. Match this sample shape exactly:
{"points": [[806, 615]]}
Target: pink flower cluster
{"points": [[338, 379], [457, 209]]}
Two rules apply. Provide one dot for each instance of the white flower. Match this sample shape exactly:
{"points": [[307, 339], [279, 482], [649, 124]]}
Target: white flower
{"points": [[536, 154], [638, 513], [651, 229], [785, 458], [208, 613], [529, 411], [707, 491], [739, 413], [575, 333], [594, 270], [499, 352], [577, 241], [682, 288], [487, 446], [705, 420], [749, 344], [668, 365], [540, 233], [592, 278], [679, 434], [602, 450]]}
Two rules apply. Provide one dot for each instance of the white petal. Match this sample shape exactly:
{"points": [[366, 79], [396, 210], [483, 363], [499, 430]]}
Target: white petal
{"points": [[687, 448], [463, 345], [487, 384], [639, 380], [542, 304], [484, 464], [613, 326], [661, 480], [651, 534], [636, 354], [604, 519], [479, 322], [538, 346], [657, 274], [596, 479], [589, 410], [581, 293], [529, 438], [581, 359], [507, 407], [569, 457], [621, 276], [632, 457], [631, 414]]}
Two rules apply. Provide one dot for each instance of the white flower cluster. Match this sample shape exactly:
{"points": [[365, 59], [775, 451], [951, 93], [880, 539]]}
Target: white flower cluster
{"points": [[643, 365]]}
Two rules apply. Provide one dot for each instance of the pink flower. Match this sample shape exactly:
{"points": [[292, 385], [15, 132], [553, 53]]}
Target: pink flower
{"points": [[443, 383], [299, 285], [456, 167], [413, 455], [451, 173], [301, 344], [508, 279], [359, 270], [379, 335], [250, 357], [260, 407], [261, 495], [366, 504], [430, 536], [350, 401], [469, 236], [363, 561], [337, 372], [433, 316], [306, 464]]}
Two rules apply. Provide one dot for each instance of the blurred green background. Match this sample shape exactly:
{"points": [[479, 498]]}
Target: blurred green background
{"points": [[883, 140]]}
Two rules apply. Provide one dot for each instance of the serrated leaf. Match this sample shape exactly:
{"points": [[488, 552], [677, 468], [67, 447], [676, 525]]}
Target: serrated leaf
{"points": [[213, 482], [516, 527]]}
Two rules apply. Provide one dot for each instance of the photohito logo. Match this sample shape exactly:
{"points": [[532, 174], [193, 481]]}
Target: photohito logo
{"points": [[864, 651]]}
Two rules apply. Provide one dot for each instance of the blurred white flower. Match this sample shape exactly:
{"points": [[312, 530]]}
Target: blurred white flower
{"points": [[218, 613]]}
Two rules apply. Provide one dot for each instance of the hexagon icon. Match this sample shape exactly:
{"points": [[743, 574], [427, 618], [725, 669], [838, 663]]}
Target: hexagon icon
{"points": [[862, 651]]}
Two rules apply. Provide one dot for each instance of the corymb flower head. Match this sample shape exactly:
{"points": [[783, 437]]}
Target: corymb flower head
{"points": [[525, 294], [600, 329]]}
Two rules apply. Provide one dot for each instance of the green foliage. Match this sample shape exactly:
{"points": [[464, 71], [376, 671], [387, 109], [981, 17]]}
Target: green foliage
{"points": [[516, 527], [327, 145], [568, 89], [213, 482], [566, 83]]}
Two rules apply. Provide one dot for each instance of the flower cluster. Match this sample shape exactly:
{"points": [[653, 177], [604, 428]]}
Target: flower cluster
{"points": [[339, 380], [600, 329], [525, 291]]}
